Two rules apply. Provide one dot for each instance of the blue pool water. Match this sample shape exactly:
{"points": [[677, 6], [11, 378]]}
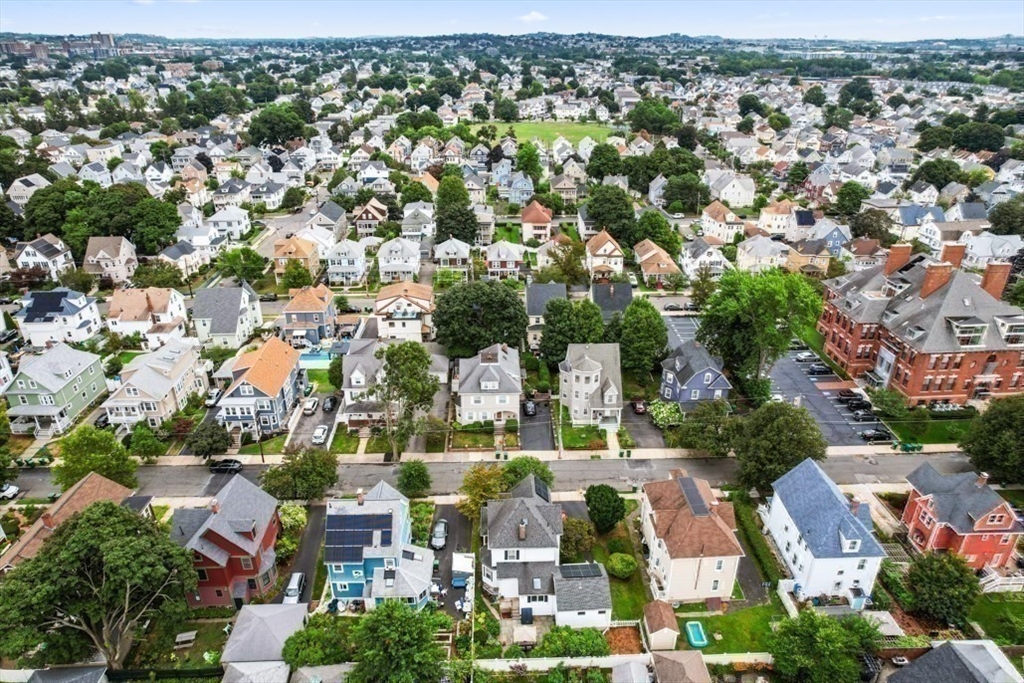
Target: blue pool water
{"points": [[695, 634]]}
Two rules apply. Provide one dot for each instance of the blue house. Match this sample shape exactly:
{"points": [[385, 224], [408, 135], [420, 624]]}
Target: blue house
{"points": [[691, 375], [265, 385], [521, 189], [310, 316], [833, 234], [369, 553]]}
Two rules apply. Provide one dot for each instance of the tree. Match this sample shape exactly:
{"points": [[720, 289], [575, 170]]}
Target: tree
{"points": [[975, 137], [710, 428], [306, 474], [322, 642], [518, 468], [621, 565], [686, 189], [452, 193], [566, 641], [797, 173], [774, 439], [243, 264], [528, 161], [873, 224], [937, 172], [779, 121], [296, 275], [611, 209], [406, 386], [77, 279], [293, 196], [459, 222], [103, 573], [414, 192], [605, 507], [395, 644], [335, 372], [703, 286], [413, 478], [276, 124], [655, 227], [577, 539], [506, 110], [817, 648], [208, 438], [687, 137], [944, 587], [472, 316], [815, 95], [1015, 294], [675, 282], [567, 322], [1007, 218], [87, 449], [654, 116], [850, 196], [993, 441], [750, 321], [604, 161], [936, 137], [749, 104], [857, 89], [144, 443], [157, 274], [746, 125], [644, 337], [481, 483], [480, 112]]}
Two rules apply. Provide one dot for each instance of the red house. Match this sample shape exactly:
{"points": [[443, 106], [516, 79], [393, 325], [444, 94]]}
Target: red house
{"points": [[959, 513], [232, 542]]}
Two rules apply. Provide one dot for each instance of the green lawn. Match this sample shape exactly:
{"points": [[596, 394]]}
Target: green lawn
{"points": [[274, 446], [509, 233], [548, 131], [939, 431], [1015, 496], [989, 613], [377, 444], [571, 231], [159, 511], [436, 442], [582, 438], [323, 382], [344, 442], [630, 596], [742, 630], [156, 648], [632, 389], [126, 356], [472, 439], [816, 341]]}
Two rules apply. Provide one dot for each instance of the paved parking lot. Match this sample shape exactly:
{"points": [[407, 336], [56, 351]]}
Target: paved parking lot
{"points": [[460, 531], [535, 432], [681, 328], [790, 379], [302, 435]]}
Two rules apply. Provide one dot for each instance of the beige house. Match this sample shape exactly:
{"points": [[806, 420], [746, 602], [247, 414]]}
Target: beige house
{"points": [[155, 313], [536, 222], [295, 249], [156, 385], [110, 257], [590, 385], [655, 263], [694, 552], [661, 625], [405, 311], [604, 256]]}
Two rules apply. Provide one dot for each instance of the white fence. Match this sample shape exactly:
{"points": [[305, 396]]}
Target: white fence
{"points": [[783, 589], [739, 658], [548, 663]]}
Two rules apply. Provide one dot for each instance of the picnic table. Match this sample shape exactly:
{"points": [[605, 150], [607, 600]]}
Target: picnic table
{"points": [[186, 639]]}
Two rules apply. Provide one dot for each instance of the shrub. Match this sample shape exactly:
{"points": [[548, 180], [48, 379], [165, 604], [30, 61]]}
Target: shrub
{"points": [[755, 541], [620, 545], [880, 600], [246, 438], [621, 565], [665, 414], [544, 374], [513, 652], [512, 426], [892, 581], [564, 641], [531, 362]]}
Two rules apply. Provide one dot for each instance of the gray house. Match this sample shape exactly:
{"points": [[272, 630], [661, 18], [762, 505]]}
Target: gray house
{"points": [[488, 385], [537, 298], [521, 189], [226, 316], [691, 375]]}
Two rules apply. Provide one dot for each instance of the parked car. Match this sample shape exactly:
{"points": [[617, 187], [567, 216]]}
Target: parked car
{"points": [[797, 345], [320, 435], [863, 415], [310, 406], [673, 307], [847, 395], [268, 297], [8, 336], [818, 369], [330, 403], [633, 282], [6, 300], [777, 398], [639, 407], [213, 397], [691, 306], [225, 466], [859, 404], [806, 357], [529, 409], [308, 389], [102, 422], [439, 539], [296, 582], [9, 491], [873, 435], [677, 215]]}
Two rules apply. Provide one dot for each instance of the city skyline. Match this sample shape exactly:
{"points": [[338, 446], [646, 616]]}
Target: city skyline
{"points": [[901, 20]]}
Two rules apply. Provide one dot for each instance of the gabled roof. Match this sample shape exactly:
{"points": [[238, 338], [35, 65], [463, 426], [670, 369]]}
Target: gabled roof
{"points": [[309, 299], [137, 305], [611, 297], [222, 306], [692, 358], [500, 519], [266, 368], [535, 212], [580, 593], [707, 530], [261, 630], [963, 661], [659, 615], [496, 364], [294, 247], [601, 240], [48, 246], [958, 499], [538, 296]]}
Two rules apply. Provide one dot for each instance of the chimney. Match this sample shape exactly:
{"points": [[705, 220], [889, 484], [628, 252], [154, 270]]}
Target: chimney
{"points": [[48, 521], [359, 497], [899, 255], [953, 252], [215, 506], [997, 274], [522, 529], [854, 506], [936, 275], [982, 479]]}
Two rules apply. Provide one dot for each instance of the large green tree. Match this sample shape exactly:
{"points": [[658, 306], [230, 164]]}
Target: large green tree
{"points": [[406, 386], [605, 507], [472, 316], [157, 274], [459, 222], [481, 482], [296, 275], [710, 428], [654, 116], [936, 137], [686, 189], [1007, 218], [817, 648], [451, 193], [395, 644], [815, 95], [520, 467], [944, 587], [610, 208], [850, 196], [653, 226], [413, 478], [208, 438], [976, 137], [644, 337], [993, 441], [243, 263], [102, 574], [87, 449], [938, 172], [276, 124], [528, 161], [604, 161], [774, 439], [872, 224], [567, 322], [306, 474]]}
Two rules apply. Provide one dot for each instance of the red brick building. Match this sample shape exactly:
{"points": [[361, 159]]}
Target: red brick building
{"points": [[959, 513], [232, 543], [922, 327]]}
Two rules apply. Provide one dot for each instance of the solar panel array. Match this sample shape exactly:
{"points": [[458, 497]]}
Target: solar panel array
{"points": [[542, 489], [693, 498], [348, 535], [580, 571]]}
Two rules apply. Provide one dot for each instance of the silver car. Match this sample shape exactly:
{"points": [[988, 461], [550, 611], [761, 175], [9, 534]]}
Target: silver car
{"points": [[439, 539]]}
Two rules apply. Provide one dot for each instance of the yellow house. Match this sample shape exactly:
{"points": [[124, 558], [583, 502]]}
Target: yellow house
{"points": [[296, 248], [810, 257]]}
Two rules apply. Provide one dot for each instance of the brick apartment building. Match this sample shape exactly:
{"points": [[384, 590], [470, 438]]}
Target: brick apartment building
{"points": [[923, 327]]}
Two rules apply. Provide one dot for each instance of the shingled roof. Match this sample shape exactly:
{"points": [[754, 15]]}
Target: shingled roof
{"points": [[960, 500]]}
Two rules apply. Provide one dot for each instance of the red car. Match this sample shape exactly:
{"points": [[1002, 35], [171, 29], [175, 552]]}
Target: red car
{"points": [[639, 407]]}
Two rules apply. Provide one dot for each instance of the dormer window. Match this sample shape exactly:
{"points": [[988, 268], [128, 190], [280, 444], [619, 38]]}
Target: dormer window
{"points": [[969, 332], [489, 386], [852, 546], [245, 390], [1011, 331]]}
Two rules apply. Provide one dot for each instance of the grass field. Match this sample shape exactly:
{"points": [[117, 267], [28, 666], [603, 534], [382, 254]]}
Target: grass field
{"points": [[630, 596], [548, 131], [989, 613], [344, 442], [509, 233], [126, 356], [323, 383], [939, 431], [273, 446], [743, 630]]}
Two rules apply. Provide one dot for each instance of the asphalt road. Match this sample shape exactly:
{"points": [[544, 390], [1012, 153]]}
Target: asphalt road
{"points": [[308, 552]]}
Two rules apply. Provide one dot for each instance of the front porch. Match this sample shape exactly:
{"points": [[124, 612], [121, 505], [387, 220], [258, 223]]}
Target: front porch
{"points": [[41, 421]]}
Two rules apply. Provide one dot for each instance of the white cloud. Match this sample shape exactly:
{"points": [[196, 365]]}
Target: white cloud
{"points": [[533, 17], [143, 2]]}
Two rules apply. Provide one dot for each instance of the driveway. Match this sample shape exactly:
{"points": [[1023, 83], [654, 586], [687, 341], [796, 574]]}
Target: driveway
{"points": [[308, 552], [681, 328], [790, 379], [302, 435], [642, 429], [535, 432], [460, 532], [750, 578]]}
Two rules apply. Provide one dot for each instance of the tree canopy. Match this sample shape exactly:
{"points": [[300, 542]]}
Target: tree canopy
{"points": [[276, 124], [472, 316], [405, 387], [1007, 218], [644, 337], [774, 439], [567, 322], [944, 587], [993, 441], [817, 648], [394, 643], [654, 116], [306, 474], [243, 263], [850, 196], [610, 208], [88, 449]]}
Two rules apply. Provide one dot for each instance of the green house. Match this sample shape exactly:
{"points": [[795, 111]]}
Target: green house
{"points": [[52, 389]]}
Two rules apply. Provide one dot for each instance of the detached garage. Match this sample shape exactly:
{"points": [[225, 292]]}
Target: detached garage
{"points": [[582, 596]]}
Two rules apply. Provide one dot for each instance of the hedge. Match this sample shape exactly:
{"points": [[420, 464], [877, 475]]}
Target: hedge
{"points": [[755, 541]]}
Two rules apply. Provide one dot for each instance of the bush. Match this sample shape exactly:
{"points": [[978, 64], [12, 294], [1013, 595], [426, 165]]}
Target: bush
{"points": [[531, 362], [621, 565], [880, 600], [892, 581], [512, 426], [246, 438], [564, 641], [620, 545], [513, 652], [755, 540]]}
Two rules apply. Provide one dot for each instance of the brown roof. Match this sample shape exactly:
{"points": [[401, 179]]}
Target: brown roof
{"points": [[536, 213], [782, 207], [686, 534], [862, 246], [309, 299], [111, 246], [138, 304], [599, 240], [294, 247], [653, 259], [659, 615], [718, 211], [88, 490], [413, 291], [267, 367], [681, 666]]}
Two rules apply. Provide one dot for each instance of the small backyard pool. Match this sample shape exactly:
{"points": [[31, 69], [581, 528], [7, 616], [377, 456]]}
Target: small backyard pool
{"points": [[695, 635]]}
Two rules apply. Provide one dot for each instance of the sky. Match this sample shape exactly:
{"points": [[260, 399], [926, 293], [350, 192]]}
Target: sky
{"points": [[862, 20]]}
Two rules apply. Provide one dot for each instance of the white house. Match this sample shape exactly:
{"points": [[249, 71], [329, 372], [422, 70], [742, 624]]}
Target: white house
{"points": [[346, 263], [488, 386], [825, 539], [701, 253], [760, 253], [604, 258], [398, 259], [231, 222], [226, 316], [22, 189], [157, 314], [47, 252], [590, 384], [405, 310], [59, 315]]}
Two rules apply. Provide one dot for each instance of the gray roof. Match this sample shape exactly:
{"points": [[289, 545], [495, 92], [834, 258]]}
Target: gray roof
{"points": [[966, 661], [497, 363], [611, 298], [630, 672], [690, 359], [70, 674], [48, 368], [579, 594], [973, 211], [959, 500], [821, 513], [500, 519], [177, 250], [538, 296], [332, 211], [590, 357], [260, 631], [528, 574], [222, 306]]}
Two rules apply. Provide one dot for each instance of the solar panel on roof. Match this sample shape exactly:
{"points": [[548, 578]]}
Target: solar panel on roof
{"points": [[580, 571], [542, 489], [408, 555], [693, 498], [385, 537], [345, 553]]}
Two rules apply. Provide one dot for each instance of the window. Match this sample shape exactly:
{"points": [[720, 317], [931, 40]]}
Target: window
{"points": [[1005, 539], [201, 573], [695, 395], [707, 378], [246, 563], [714, 584], [861, 565], [131, 391], [511, 555], [245, 390], [719, 565]]}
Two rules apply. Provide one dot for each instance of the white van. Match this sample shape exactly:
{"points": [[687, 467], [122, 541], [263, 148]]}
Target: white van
{"points": [[293, 592]]}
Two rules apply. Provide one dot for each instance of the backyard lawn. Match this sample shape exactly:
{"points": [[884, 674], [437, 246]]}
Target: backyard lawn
{"points": [[938, 431], [742, 630], [548, 131], [989, 613], [273, 446], [1015, 496], [628, 597], [343, 442], [472, 439], [156, 649], [323, 382], [509, 233], [126, 356]]}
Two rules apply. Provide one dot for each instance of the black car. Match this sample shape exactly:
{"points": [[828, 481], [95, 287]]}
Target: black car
{"points": [[102, 422], [818, 369], [873, 435], [530, 408], [226, 466], [268, 297], [858, 404], [673, 307], [863, 415], [330, 403], [847, 395]]}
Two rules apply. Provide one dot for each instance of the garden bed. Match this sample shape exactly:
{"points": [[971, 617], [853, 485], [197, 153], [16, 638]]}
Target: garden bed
{"points": [[628, 596], [624, 640], [422, 514]]}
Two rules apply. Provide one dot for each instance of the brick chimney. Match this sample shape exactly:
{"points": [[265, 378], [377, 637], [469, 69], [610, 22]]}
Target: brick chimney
{"points": [[997, 274], [48, 521], [215, 506], [854, 506], [522, 529], [953, 252], [982, 480], [899, 255], [935, 276]]}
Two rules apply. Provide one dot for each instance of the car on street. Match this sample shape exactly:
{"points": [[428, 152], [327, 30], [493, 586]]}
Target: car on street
{"points": [[818, 369], [310, 406], [330, 403], [439, 539], [8, 336], [9, 491], [102, 422], [529, 409], [806, 357], [873, 435], [293, 592], [777, 398], [677, 215], [691, 306], [863, 416], [847, 395], [225, 466], [320, 435], [672, 307], [268, 297], [312, 212], [859, 404], [212, 397], [633, 282], [639, 407], [6, 300]]}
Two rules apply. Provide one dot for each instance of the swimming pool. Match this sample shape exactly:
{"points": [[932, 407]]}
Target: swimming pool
{"points": [[695, 634]]}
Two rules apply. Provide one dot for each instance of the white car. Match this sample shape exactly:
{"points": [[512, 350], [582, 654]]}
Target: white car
{"points": [[9, 491], [806, 357], [320, 435], [313, 211], [212, 398], [778, 398], [309, 407]]}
